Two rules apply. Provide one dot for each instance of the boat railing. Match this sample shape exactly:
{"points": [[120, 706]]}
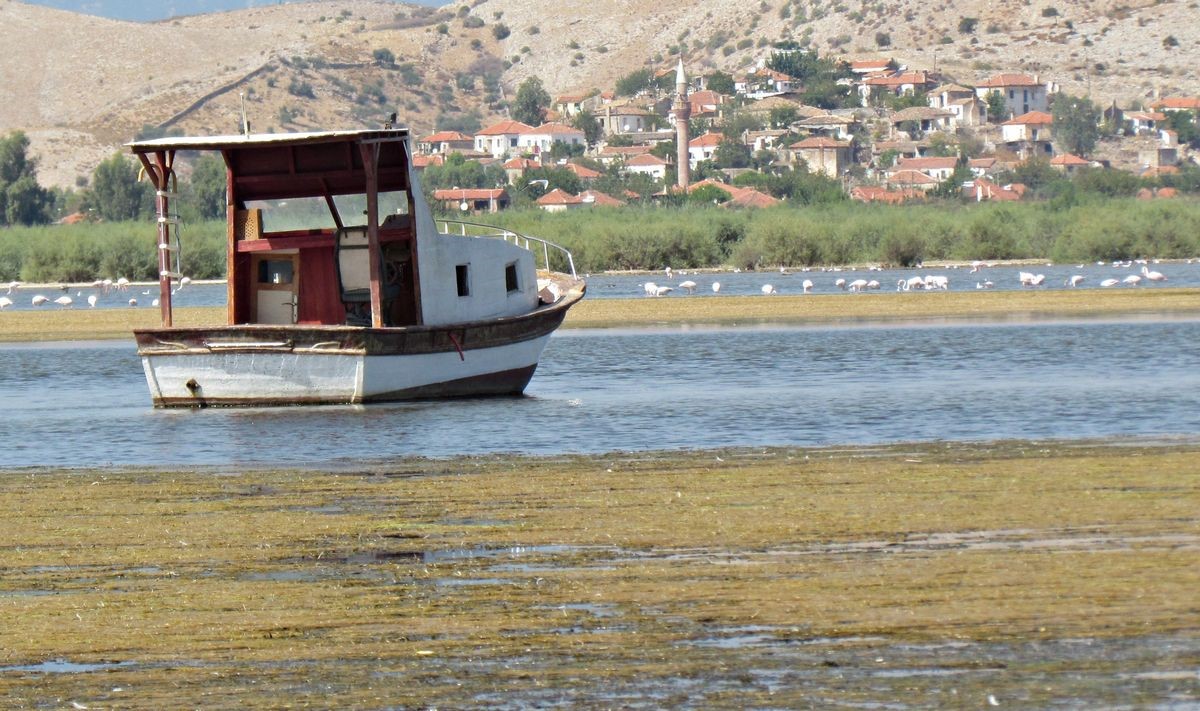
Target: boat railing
{"points": [[536, 245]]}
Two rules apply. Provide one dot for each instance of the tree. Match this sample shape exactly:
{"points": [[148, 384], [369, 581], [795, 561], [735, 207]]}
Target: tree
{"points": [[22, 200], [721, 83], [782, 116], [586, 121], [1183, 123], [531, 102], [384, 57], [633, 82], [967, 25], [1076, 124], [709, 194], [116, 193], [997, 107], [206, 191], [731, 153], [819, 76]]}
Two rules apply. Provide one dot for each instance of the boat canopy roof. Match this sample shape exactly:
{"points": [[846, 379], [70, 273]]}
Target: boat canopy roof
{"points": [[282, 165]]}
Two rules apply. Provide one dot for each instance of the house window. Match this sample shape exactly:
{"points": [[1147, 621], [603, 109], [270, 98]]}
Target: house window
{"points": [[463, 274], [510, 278], [1012, 93]]}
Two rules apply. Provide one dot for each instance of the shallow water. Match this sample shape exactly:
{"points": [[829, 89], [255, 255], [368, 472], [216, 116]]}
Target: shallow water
{"points": [[86, 404], [622, 286]]}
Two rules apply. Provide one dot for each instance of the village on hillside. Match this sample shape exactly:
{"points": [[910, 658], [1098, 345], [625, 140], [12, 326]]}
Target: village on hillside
{"points": [[884, 132]]}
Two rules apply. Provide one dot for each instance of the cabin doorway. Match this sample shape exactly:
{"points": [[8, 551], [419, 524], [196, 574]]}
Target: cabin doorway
{"points": [[276, 282]]}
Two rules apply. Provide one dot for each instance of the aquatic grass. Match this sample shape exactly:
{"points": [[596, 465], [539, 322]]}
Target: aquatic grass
{"points": [[262, 587]]}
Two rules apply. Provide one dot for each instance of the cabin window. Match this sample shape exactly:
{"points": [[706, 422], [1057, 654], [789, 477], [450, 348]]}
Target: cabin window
{"points": [[463, 273], [313, 213], [275, 271], [510, 278]]}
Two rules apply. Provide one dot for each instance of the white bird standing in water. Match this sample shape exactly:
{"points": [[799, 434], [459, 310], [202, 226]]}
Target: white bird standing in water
{"points": [[689, 286], [807, 285], [64, 301], [5, 302], [92, 299], [38, 300], [1133, 279], [1153, 275], [716, 287], [1109, 282], [857, 285], [133, 302], [768, 289], [1074, 280]]}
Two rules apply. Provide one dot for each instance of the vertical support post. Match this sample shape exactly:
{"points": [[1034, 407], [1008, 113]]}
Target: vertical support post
{"points": [[370, 156], [231, 272], [163, 208], [159, 170]]}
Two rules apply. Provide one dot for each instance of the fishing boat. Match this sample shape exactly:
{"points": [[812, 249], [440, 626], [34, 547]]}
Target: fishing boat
{"points": [[342, 286]]}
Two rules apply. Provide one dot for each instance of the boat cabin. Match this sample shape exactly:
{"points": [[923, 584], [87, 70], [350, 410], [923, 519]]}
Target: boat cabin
{"points": [[332, 229]]}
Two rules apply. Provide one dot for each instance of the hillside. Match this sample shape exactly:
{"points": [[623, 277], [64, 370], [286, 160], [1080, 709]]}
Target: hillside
{"points": [[80, 86]]}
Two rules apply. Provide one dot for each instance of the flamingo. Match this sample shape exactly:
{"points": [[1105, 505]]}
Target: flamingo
{"points": [[807, 285], [92, 299], [154, 303], [38, 300], [184, 282], [857, 285], [909, 284], [669, 273], [650, 287], [1133, 279], [716, 287], [1109, 282], [768, 289], [5, 302], [123, 284], [689, 286], [985, 284], [1074, 280], [64, 301], [1153, 275], [12, 285], [937, 282], [133, 302], [841, 284], [873, 284]]}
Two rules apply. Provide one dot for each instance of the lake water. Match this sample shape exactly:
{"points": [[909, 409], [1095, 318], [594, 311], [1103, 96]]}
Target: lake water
{"points": [[86, 404], [623, 286]]}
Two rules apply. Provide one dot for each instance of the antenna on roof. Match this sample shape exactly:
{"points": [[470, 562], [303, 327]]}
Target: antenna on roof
{"points": [[245, 121]]}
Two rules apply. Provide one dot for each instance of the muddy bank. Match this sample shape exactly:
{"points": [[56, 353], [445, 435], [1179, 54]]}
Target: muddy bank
{"points": [[916, 575]]}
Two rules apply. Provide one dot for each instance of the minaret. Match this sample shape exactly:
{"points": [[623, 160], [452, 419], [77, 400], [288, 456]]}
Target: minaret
{"points": [[683, 112]]}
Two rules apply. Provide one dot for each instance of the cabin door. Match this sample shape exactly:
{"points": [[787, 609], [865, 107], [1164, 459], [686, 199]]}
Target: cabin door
{"points": [[276, 285]]}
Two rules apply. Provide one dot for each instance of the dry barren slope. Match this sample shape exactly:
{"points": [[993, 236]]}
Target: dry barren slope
{"points": [[80, 85]]}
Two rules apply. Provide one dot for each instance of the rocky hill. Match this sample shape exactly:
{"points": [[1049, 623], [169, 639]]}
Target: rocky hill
{"points": [[80, 86]]}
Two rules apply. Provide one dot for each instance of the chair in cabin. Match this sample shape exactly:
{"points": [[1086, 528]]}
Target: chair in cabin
{"points": [[354, 276]]}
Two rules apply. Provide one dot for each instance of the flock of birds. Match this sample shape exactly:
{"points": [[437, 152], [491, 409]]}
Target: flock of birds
{"points": [[929, 282], [103, 287]]}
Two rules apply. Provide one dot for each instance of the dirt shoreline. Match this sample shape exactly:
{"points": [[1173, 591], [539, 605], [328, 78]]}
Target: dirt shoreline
{"points": [[921, 575], [820, 309]]}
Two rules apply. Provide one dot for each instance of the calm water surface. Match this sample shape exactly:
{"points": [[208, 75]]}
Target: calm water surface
{"points": [[86, 404]]}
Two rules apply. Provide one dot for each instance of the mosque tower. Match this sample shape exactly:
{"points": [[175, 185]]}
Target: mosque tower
{"points": [[683, 112]]}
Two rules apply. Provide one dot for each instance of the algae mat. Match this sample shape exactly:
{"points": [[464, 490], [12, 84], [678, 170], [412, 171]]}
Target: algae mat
{"points": [[1011, 574], [82, 324]]}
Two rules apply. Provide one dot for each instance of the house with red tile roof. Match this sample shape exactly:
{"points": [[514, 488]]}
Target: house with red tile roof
{"points": [[472, 200], [1068, 163], [897, 83], [1029, 134], [738, 197], [911, 180], [619, 154], [1142, 122], [446, 142], [616, 120], [501, 139], [545, 136], [764, 82], [515, 168], [924, 118], [1177, 103], [1022, 93], [873, 66], [421, 162], [982, 189], [648, 164], [875, 193], [822, 155], [702, 147], [570, 105], [938, 168], [583, 172], [560, 201]]}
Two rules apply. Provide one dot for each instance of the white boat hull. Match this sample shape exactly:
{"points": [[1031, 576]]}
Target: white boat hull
{"points": [[278, 378]]}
